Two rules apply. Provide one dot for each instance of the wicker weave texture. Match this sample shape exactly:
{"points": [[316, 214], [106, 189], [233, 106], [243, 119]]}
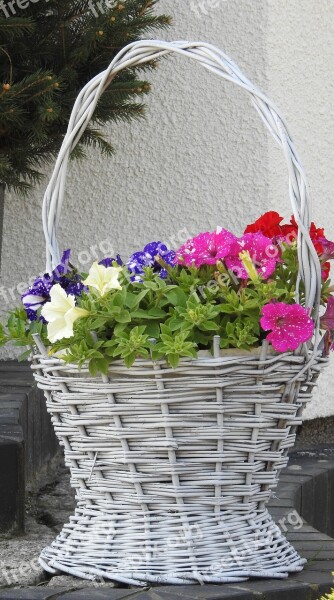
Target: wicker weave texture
{"points": [[173, 467]]}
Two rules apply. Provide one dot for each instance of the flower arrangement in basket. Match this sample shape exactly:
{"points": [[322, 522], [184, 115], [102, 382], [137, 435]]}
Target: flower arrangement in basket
{"points": [[167, 304], [176, 380]]}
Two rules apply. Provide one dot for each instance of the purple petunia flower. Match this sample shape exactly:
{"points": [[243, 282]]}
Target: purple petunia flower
{"points": [[107, 262], [147, 258], [39, 292]]}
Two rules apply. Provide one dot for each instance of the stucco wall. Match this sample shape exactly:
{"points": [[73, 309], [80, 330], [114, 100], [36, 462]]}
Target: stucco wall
{"points": [[203, 157], [300, 58]]}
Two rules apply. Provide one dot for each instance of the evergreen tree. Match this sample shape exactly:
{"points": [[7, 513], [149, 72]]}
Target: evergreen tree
{"points": [[49, 49]]}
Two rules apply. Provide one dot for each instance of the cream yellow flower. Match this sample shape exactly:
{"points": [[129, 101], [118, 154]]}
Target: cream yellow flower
{"points": [[103, 279], [249, 265], [61, 314]]}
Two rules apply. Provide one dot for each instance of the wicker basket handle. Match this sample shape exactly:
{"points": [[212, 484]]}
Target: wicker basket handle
{"points": [[216, 61]]}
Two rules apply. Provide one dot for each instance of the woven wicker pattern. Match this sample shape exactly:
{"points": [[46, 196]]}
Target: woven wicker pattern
{"points": [[173, 468]]}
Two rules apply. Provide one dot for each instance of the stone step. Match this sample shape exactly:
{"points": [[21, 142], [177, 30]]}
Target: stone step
{"points": [[27, 441]]}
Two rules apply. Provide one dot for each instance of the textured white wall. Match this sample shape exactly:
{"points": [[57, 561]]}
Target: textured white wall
{"points": [[203, 157], [300, 59]]}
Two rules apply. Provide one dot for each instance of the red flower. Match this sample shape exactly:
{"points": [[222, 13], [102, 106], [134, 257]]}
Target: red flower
{"points": [[317, 235], [270, 225]]}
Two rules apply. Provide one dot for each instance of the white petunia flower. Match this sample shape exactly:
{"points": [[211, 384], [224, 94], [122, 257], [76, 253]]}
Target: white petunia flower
{"points": [[103, 279], [61, 314]]}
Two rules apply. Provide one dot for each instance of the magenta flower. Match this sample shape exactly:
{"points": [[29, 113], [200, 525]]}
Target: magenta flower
{"points": [[290, 324], [205, 249], [263, 252], [327, 249], [327, 319]]}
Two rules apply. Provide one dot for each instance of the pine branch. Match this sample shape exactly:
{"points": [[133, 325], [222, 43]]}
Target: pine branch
{"points": [[47, 56]]}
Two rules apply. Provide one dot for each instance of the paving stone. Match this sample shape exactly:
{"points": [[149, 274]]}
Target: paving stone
{"points": [[291, 491], [284, 503], [75, 583], [313, 554], [308, 536], [316, 545], [330, 521], [320, 565], [101, 594], [323, 579], [295, 477], [156, 594], [33, 593], [204, 592], [321, 501], [281, 589], [307, 506]]}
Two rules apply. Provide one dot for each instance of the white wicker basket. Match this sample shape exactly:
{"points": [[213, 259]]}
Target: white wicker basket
{"points": [[173, 467]]}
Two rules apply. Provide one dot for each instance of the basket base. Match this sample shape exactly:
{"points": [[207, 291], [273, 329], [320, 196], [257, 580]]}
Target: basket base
{"points": [[231, 548]]}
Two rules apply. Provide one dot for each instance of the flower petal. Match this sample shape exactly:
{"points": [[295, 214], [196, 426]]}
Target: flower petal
{"points": [[291, 325], [59, 329]]}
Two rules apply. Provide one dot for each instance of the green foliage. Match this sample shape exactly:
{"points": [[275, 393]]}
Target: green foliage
{"points": [[329, 596], [171, 319], [49, 51]]}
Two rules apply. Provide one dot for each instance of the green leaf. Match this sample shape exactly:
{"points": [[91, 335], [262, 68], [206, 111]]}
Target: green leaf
{"points": [[173, 360], [123, 317], [119, 328], [209, 326], [166, 330], [230, 328], [175, 323], [176, 296], [227, 308], [133, 300], [98, 365], [156, 354], [157, 313], [119, 296], [25, 355], [130, 359], [150, 285], [144, 314], [152, 330], [99, 322]]}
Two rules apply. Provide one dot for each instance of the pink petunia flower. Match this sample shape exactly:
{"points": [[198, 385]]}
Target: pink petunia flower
{"points": [[206, 248], [327, 322], [327, 319], [290, 324], [263, 253]]}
